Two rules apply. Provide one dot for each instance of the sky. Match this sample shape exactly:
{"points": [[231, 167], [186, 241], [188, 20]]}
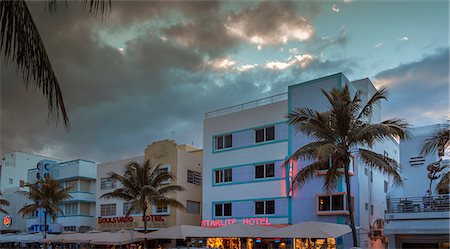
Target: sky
{"points": [[150, 70]]}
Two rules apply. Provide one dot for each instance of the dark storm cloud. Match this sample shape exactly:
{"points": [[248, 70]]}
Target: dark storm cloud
{"points": [[421, 89]]}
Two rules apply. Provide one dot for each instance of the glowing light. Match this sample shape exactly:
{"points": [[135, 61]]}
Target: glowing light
{"points": [[335, 8]]}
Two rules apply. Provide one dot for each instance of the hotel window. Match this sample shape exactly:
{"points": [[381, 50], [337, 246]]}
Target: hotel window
{"points": [[85, 208], [108, 210], [222, 209], [73, 185], [265, 207], [265, 170], [11, 181], [193, 207], [194, 177], [84, 185], [161, 209], [332, 203], [165, 169], [328, 165], [107, 183], [371, 209], [366, 206], [70, 229], [71, 208], [223, 175], [265, 134], [385, 186], [224, 141], [126, 206]]}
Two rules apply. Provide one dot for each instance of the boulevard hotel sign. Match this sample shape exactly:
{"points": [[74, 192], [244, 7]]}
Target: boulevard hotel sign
{"points": [[128, 219]]}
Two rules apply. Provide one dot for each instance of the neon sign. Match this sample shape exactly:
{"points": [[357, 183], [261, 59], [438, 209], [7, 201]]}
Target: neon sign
{"points": [[227, 222], [128, 219], [7, 221]]}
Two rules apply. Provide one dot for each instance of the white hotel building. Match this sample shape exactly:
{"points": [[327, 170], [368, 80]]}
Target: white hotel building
{"points": [[245, 146]]}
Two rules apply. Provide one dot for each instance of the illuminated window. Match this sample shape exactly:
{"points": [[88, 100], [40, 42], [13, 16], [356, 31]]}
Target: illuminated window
{"points": [[223, 142], [265, 207], [336, 202], [264, 134], [222, 209], [265, 170], [223, 175]]}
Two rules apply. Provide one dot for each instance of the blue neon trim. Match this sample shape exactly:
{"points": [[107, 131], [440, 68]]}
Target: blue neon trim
{"points": [[255, 216], [255, 199]]}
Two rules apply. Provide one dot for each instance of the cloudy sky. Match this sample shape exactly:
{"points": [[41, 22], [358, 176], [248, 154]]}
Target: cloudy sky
{"points": [[150, 70]]}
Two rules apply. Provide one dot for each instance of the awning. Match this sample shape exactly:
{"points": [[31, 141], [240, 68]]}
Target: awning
{"points": [[426, 226], [310, 229]]}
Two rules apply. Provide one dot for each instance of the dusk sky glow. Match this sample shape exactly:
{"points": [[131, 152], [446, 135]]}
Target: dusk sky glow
{"points": [[152, 68]]}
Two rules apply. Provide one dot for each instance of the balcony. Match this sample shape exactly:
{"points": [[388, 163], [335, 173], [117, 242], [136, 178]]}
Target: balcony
{"points": [[426, 207]]}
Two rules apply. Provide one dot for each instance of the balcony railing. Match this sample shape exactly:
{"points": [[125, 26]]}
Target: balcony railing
{"points": [[437, 203], [247, 105]]}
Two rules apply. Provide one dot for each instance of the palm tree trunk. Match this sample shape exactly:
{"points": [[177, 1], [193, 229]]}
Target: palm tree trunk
{"points": [[45, 227], [145, 225], [350, 206]]}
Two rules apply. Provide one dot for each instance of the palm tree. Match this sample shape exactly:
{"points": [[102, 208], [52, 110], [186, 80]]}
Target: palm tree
{"points": [[344, 130], [47, 194], [439, 141], [3, 202], [21, 44], [144, 185]]}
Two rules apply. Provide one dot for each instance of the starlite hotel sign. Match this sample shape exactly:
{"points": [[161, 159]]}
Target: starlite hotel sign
{"points": [[227, 222]]}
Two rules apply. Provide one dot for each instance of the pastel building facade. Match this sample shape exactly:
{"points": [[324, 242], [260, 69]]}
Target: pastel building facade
{"points": [[416, 218], [183, 161], [13, 175], [78, 211], [244, 181]]}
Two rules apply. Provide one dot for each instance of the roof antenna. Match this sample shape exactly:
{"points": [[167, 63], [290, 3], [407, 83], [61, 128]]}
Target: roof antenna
{"points": [[173, 135]]}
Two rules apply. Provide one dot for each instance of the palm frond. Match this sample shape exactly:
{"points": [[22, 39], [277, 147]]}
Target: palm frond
{"points": [[443, 185], [29, 209], [3, 211], [120, 193], [94, 6], [367, 109], [332, 177], [306, 174], [171, 189], [21, 44], [368, 134], [439, 139], [164, 200], [384, 164]]}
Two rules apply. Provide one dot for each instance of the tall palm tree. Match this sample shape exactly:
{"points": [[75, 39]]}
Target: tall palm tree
{"points": [[3, 202], [344, 130], [21, 44], [439, 141], [47, 194], [144, 185]]}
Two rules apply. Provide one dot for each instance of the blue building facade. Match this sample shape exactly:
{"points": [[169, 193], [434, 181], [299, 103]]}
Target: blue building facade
{"points": [[78, 211], [245, 146]]}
